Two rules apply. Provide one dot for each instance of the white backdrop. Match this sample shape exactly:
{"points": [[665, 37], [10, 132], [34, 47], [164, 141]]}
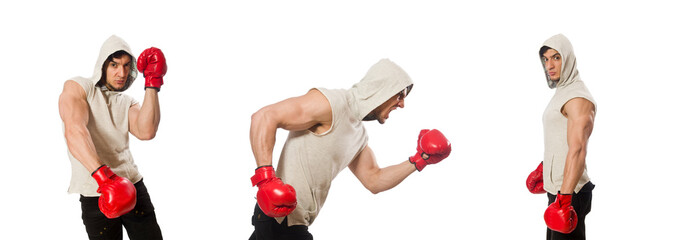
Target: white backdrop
{"points": [[477, 78]]}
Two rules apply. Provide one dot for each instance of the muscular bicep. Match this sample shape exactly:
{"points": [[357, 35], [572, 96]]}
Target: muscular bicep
{"points": [[364, 166], [299, 113], [134, 111], [580, 113], [73, 107]]}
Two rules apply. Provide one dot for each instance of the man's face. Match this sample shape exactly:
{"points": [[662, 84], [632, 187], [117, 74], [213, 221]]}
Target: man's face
{"points": [[382, 112], [552, 60], [117, 72]]}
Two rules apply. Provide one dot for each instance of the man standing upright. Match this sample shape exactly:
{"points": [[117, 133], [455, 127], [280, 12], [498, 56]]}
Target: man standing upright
{"points": [[568, 122], [97, 119]]}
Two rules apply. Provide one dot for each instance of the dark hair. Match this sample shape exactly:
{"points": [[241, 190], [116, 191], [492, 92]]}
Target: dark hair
{"points": [[543, 49], [104, 68], [408, 89]]}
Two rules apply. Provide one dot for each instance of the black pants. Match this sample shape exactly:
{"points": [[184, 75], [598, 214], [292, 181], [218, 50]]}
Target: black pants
{"points": [[140, 223], [267, 228], [581, 202]]}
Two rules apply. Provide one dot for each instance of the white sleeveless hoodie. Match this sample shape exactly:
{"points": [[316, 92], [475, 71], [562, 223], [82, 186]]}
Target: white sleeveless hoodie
{"points": [[555, 124], [108, 124], [309, 161]]}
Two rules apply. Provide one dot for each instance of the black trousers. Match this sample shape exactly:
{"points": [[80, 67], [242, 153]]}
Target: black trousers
{"points": [[581, 202], [267, 228], [140, 223]]}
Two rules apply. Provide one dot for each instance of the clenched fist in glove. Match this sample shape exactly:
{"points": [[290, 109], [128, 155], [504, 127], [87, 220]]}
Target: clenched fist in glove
{"points": [[274, 197], [560, 215], [432, 148], [152, 64], [534, 181], [118, 194]]}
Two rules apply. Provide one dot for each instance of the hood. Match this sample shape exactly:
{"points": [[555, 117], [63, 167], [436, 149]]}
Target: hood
{"points": [[569, 72], [382, 81], [110, 46]]}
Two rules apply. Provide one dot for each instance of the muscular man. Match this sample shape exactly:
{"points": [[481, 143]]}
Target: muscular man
{"points": [[97, 119], [568, 122], [327, 135]]}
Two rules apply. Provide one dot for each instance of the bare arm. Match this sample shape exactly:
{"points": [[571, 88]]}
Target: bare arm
{"points": [[377, 179], [580, 113], [311, 111], [74, 112], [144, 121]]}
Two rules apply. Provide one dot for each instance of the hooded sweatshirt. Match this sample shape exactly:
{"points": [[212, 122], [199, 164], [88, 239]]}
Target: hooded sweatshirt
{"points": [[108, 124], [310, 161], [555, 123]]}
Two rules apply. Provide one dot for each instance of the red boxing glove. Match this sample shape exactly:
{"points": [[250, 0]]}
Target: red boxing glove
{"points": [[534, 181], [118, 194], [152, 64], [560, 215], [432, 148], [274, 197]]}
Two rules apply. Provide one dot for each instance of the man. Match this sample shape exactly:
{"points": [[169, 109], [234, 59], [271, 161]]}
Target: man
{"points": [[97, 120], [568, 122], [326, 135]]}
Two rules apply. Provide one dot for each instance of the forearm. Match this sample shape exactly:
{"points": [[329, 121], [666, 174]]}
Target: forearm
{"points": [[82, 147], [148, 120], [262, 136], [573, 169], [389, 177]]}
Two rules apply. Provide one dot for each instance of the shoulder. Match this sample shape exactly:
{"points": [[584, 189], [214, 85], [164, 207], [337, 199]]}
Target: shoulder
{"points": [[579, 107], [338, 99], [84, 84], [575, 91], [74, 88], [321, 100], [579, 89]]}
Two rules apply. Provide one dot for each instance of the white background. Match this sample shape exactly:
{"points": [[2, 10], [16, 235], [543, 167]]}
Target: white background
{"points": [[477, 78]]}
